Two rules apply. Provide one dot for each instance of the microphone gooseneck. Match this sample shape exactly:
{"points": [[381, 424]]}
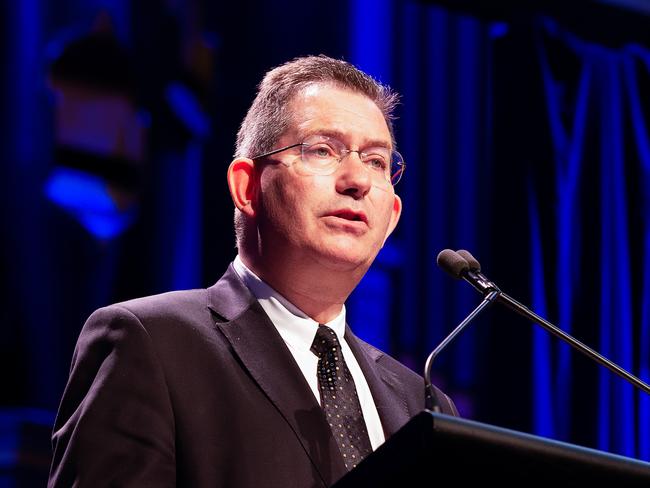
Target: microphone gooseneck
{"points": [[429, 399], [458, 267]]}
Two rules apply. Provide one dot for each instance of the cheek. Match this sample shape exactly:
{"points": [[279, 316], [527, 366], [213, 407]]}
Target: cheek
{"points": [[304, 193], [283, 202], [384, 214]]}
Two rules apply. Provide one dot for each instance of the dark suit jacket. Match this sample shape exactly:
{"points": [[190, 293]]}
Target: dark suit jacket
{"points": [[197, 388]]}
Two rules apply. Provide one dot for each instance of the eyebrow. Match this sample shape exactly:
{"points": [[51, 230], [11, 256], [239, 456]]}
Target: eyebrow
{"points": [[337, 134]]}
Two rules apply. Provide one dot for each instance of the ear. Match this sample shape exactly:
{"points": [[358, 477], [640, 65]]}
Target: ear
{"points": [[394, 216], [243, 183]]}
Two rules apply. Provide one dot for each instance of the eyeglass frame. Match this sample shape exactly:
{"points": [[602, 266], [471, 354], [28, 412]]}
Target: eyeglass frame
{"points": [[398, 174]]}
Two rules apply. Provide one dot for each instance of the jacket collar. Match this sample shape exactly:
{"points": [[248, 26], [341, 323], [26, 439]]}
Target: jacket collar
{"points": [[264, 354], [261, 350]]}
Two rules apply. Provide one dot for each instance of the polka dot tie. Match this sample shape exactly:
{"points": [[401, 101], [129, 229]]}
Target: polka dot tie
{"points": [[339, 398]]}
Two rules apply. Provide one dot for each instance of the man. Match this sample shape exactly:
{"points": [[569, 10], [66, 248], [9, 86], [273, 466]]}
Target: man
{"points": [[258, 381]]}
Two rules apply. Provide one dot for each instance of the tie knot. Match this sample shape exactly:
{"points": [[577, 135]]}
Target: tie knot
{"points": [[324, 340]]}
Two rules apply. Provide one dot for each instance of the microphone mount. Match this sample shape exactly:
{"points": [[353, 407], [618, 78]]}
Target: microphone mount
{"points": [[481, 283]]}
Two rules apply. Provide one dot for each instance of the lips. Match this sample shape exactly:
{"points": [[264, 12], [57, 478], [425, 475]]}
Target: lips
{"points": [[349, 214]]}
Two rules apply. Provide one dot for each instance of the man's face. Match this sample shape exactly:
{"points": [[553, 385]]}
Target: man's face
{"points": [[341, 220]]}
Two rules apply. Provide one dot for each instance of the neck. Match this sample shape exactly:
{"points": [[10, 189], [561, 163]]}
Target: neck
{"points": [[316, 290]]}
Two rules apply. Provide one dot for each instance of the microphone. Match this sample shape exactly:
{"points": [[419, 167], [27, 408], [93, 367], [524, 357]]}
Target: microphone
{"points": [[458, 266], [472, 274]]}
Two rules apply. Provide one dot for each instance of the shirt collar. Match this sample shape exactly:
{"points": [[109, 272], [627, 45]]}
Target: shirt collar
{"points": [[296, 328]]}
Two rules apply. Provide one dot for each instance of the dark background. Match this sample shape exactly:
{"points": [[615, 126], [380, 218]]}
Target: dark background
{"points": [[500, 161]]}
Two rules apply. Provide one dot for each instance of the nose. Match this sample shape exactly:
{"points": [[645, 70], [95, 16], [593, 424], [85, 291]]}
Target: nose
{"points": [[353, 177]]}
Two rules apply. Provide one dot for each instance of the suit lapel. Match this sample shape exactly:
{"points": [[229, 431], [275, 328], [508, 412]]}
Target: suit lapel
{"points": [[386, 389], [268, 360]]}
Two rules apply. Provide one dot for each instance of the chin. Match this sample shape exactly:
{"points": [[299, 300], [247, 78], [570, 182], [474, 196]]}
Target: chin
{"points": [[346, 259]]}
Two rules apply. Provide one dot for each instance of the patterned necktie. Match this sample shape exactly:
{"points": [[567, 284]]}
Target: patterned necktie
{"points": [[339, 398]]}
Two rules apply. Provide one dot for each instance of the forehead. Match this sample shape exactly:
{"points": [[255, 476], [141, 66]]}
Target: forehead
{"points": [[327, 108]]}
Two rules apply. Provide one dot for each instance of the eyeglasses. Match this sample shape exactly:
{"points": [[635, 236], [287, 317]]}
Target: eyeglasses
{"points": [[321, 155]]}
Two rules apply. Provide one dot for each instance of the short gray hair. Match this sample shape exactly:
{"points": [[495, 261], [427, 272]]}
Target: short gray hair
{"points": [[270, 115]]}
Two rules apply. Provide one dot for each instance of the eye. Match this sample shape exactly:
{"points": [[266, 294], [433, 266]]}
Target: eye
{"points": [[320, 151], [376, 161]]}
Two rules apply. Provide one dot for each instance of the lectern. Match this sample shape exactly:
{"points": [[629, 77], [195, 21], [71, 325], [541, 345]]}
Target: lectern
{"points": [[433, 447]]}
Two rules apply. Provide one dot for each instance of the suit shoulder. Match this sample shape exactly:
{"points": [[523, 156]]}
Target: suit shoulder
{"points": [[176, 307], [165, 302]]}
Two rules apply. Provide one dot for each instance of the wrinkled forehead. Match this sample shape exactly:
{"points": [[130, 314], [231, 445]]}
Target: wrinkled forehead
{"points": [[332, 109]]}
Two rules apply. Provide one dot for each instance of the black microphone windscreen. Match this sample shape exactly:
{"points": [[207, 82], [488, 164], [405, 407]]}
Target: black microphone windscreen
{"points": [[452, 262], [474, 265]]}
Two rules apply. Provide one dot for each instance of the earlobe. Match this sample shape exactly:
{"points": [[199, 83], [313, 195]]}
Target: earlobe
{"points": [[243, 182]]}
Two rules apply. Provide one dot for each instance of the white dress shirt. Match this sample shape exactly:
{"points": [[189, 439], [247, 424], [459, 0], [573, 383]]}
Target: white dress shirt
{"points": [[298, 332]]}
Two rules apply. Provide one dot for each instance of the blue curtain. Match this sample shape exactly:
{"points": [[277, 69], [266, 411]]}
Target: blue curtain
{"points": [[608, 105]]}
